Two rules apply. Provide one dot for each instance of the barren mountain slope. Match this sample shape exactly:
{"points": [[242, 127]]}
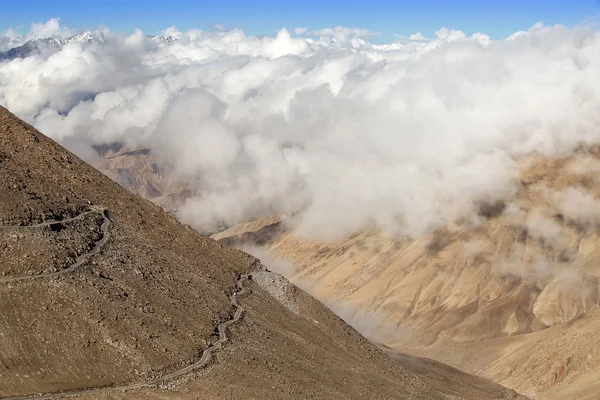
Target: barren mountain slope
{"points": [[500, 299], [99, 287], [149, 299], [141, 172]]}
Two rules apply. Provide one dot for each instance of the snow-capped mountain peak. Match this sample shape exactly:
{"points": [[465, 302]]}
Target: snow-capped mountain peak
{"points": [[57, 42], [85, 37], [162, 40]]}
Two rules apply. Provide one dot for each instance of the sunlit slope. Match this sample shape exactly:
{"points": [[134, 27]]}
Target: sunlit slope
{"points": [[529, 264]]}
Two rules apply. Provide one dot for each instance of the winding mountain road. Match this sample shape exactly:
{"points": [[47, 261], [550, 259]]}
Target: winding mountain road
{"points": [[202, 362], [80, 259], [204, 358], [92, 210]]}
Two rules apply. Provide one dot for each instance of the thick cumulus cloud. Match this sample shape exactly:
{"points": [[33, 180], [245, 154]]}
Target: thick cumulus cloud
{"points": [[332, 130]]}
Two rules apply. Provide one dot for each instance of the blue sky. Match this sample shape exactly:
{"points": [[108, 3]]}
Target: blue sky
{"points": [[496, 18]]}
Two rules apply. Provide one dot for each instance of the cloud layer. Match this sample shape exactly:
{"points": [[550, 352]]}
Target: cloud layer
{"points": [[333, 130]]}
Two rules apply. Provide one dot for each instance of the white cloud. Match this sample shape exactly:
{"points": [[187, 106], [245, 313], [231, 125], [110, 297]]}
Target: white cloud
{"points": [[219, 28], [341, 134], [550, 233], [300, 31], [577, 206], [450, 34], [173, 32], [11, 33], [49, 29], [417, 37], [340, 32]]}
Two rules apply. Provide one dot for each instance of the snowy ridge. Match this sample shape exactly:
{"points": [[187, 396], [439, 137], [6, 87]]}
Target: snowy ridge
{"points": [[162, 40], [38, 45], [86, 37]]}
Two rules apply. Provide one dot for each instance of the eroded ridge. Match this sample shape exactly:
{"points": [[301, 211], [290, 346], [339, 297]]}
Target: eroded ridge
{"points": [[201, 363], [81, 259]]}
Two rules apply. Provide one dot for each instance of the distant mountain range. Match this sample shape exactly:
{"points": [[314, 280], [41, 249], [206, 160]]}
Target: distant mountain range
{"points": [[37, 46]]}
